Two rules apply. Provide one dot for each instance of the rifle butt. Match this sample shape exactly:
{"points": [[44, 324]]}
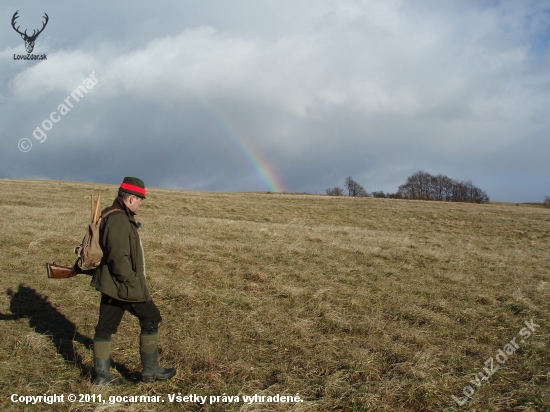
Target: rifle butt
{"points": [[59, 272]]}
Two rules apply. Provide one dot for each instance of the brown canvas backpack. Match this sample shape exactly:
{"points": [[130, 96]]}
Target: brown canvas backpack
{"points": [[89, 251]]}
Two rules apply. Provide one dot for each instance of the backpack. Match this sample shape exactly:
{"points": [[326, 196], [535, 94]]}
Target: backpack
{"points": [[89, 251]]}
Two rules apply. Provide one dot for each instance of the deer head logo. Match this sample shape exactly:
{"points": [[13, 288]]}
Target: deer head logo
{"points": [[29, 40]]}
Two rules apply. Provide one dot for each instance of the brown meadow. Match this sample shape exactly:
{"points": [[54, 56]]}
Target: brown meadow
{"points": [[355, 304]]}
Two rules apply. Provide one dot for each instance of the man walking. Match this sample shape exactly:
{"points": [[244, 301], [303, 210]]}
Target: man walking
{"points": [[121, 280]]}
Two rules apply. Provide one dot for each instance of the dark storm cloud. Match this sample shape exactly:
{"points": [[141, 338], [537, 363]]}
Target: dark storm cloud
{"points": [[187, 91]]}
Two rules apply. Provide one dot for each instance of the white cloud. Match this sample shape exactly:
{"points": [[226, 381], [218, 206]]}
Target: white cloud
{"points": [[63, 72]]}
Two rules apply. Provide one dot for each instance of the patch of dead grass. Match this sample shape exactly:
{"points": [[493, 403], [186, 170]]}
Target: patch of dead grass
{"points": [[355, 304]]}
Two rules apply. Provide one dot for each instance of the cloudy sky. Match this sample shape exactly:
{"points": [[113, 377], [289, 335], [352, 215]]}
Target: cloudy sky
{"points": [[287, 95]]}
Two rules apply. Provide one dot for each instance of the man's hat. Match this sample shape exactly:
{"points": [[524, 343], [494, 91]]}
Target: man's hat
{"points": [[134, 186]]}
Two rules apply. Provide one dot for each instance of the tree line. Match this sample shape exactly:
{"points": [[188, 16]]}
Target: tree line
{"points": [[424, 186], [421, 186]]}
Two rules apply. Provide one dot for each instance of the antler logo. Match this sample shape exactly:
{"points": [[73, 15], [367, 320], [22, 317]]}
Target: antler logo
{"points": [[29, 40]]}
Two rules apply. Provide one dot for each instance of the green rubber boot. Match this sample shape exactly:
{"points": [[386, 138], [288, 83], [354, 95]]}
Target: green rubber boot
{"points": [[102, 363], [149, 357]]}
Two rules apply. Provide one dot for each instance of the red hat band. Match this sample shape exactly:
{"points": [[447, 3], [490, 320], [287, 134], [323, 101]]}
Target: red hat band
{"points": [[133, 188]]}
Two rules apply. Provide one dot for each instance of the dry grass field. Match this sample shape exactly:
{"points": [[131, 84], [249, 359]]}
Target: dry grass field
{"points": [[354, 304]]}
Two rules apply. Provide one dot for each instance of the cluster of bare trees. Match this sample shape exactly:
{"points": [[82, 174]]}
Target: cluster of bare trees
{"points": [[424, 186], [353, 189], [547, 201]]}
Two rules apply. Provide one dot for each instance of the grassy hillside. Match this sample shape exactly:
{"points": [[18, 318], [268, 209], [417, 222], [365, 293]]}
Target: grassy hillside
{"points": [[354, 304]]}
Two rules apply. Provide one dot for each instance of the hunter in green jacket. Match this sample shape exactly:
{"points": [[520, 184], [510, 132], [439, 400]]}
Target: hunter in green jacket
{"points": [[121, 274], [121, 280]]}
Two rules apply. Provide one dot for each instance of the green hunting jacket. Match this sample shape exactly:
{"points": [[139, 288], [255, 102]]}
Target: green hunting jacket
{"points": [[121, 274]]}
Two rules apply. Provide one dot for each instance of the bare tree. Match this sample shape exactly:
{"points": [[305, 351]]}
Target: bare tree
{"points": [[354, 189], [418, 186], [460, 193], [438, 184], [360, 191], [349, 184], [448, 185], [335, 191], [547, 201], [475, 194]]}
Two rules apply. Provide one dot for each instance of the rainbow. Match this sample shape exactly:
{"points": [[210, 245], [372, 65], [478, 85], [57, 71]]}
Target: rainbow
{"points": [[256, 160]]}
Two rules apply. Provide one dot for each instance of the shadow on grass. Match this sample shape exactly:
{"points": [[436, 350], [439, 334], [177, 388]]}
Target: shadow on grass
{"points": [[47, 320]]}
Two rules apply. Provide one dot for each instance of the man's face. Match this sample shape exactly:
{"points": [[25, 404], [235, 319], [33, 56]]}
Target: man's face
{"points": [[134, 203]]}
